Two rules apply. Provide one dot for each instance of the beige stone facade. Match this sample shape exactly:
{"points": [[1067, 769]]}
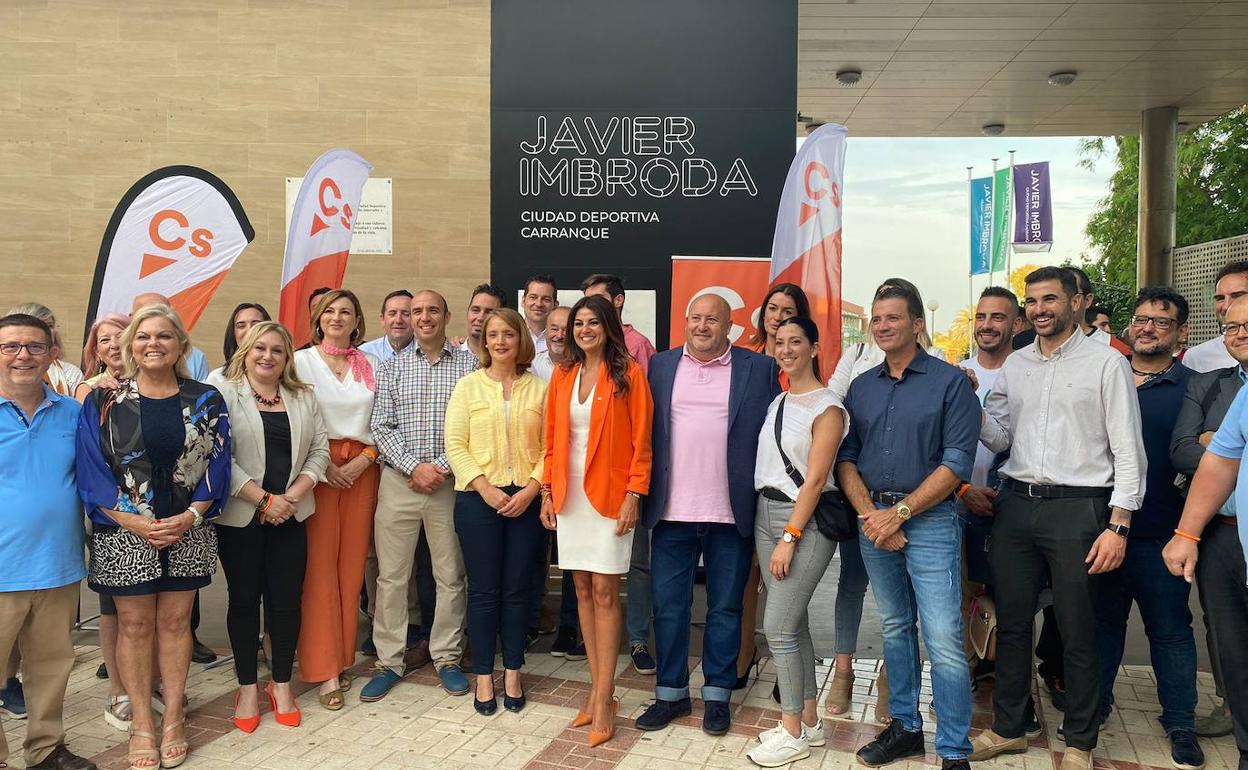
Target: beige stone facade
{"points": [[96, 93]]}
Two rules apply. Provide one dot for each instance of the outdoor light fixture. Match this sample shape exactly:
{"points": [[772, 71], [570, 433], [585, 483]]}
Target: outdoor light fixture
{"points": [[992, 129], [848, 78], [1064, 78], [804, 118]]}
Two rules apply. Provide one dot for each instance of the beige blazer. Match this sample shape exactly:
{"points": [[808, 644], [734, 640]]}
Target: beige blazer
{"points": [[309, 444]]}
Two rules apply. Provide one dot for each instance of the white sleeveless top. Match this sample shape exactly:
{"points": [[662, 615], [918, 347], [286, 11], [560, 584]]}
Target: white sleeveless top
{"points": [[800, 412]]}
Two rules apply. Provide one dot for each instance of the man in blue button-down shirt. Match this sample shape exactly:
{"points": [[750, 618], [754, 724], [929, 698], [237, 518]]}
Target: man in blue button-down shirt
{"points": [[913, 428]]}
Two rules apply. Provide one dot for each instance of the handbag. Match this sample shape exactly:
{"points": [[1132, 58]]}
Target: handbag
{"points": [[981, 626], [833, 515]]}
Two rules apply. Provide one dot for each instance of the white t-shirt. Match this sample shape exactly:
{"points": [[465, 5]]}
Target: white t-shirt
{"points": [[346, 405], [64, 378], [983, 455], [800, 412], [1208, 356]]}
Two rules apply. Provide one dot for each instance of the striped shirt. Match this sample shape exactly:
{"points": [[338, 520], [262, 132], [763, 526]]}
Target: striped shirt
{"points": [[409, 416]]}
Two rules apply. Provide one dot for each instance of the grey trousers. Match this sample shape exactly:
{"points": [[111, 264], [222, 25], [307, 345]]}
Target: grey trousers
{"points": [[785, 622]]}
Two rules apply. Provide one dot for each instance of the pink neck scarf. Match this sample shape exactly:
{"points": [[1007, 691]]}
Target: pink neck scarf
{"points": [[361, 370]]}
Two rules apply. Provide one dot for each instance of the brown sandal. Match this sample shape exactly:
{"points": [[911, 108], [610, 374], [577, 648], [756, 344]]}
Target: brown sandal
{"points": [[840, 694], [344, 681], [331, 701], [176, 752]]}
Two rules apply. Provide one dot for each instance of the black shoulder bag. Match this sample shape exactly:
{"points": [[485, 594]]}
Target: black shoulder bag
{"points": [[835, 518]]}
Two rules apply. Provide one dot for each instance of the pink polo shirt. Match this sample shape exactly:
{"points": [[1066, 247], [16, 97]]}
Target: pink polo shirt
{"points": [[639, 348], [698, 484]]}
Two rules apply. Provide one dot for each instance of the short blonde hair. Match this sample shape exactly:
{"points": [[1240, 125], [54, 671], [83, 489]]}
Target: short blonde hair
{"points": [[129, 367], [524, 356], [237, 367]]}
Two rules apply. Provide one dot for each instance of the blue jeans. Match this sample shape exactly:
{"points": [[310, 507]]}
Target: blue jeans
{"points": [[637, 617], [674, 549], [923, 581], [851, 589], [1162, 599], [500, 554]]}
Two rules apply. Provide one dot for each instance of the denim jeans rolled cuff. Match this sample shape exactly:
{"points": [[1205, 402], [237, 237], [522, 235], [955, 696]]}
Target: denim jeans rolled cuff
{"points": [[786, 621], [851, 591], [922, 583], [637, 599]]}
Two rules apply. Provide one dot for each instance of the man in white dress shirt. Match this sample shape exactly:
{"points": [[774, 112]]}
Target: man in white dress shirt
{"points": [[556, 350], [485, 297], [396, 322], [540, 297], [1230, 285], [1067, 410]]}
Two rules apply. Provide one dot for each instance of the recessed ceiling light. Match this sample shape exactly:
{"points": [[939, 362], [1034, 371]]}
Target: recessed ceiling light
{"points": [[848, 78], [1064, 78], [992, 129]]}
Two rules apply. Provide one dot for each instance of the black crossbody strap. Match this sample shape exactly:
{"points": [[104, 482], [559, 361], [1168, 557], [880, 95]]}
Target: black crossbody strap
{"points": [[794, 473]]}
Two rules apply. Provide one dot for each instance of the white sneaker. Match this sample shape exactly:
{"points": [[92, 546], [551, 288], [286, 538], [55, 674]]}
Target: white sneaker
{"points": [[815, 735], [780, 749]]}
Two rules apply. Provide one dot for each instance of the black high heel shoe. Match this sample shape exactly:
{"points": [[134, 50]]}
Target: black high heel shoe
{"points": [[744, 680], [485, 707], [514, 705]]}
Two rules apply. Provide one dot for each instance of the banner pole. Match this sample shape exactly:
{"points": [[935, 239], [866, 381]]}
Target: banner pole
{"points": [[1009, 252], [992, 273], [970, 275]]}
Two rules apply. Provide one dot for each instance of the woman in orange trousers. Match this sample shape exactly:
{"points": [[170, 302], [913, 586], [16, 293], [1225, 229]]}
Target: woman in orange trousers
{"points": [[342, 379]]}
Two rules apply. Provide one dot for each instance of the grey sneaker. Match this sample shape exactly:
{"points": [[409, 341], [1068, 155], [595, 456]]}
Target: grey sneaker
{"points": [[1216, 724]]}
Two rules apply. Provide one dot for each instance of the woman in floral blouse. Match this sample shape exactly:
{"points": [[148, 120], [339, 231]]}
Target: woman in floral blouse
{"points": [[153, 466]]}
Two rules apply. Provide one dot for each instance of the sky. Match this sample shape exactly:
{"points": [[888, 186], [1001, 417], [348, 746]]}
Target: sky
{"points": [[906, 211]]}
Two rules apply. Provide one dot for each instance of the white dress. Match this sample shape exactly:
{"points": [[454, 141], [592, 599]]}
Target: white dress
{"points": [[587, 539]]}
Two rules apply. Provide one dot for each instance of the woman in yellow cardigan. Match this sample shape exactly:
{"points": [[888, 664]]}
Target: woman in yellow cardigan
{"points": [[494, 443]]}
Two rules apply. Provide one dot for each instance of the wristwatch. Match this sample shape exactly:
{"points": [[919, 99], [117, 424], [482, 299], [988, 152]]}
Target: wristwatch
{"points": [[1121, 530], [903, 512], [197, 518], [791, 534]]}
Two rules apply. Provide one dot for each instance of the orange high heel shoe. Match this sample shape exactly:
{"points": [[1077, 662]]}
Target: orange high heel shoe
{"points": [[246, 724], [596, 738], [287, 718]]}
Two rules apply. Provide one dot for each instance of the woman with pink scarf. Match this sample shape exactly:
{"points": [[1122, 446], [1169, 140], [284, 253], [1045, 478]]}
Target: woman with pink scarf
{"points": [[338, 535]]}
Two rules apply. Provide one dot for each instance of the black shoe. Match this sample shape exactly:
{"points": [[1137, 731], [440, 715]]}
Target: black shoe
{"points": [[564, 642], [775, 692], [530, 638], [1032, 727], [985, 669], [893, 743], [367, 647], [102, 671], [661, 713], [1185, 753], [62, 758], [485, 707], [744, 679], [577, 652], [514, 705], [1056, 686], [955, 764], [716, 717], [643, 661], [201, 653]]}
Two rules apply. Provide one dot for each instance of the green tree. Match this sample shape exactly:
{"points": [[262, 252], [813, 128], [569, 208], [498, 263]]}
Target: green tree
{"points": [[1211, 194]]}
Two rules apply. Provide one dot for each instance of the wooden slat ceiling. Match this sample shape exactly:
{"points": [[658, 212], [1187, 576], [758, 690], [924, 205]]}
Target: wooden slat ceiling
{"points": [[947, 67]]}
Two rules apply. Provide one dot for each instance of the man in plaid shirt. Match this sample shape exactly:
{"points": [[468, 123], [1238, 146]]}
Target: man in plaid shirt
{"points": [[417, 491]]}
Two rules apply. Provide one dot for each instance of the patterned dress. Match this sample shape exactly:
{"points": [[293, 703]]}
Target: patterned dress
{"points": [[152, 457]]}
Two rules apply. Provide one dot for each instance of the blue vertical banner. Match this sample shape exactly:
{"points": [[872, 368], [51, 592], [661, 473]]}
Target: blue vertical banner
{"points": [[981, 225]]}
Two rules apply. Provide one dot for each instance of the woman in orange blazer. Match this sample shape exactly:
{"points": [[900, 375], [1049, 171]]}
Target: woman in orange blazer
{"points": [[598, 413]]}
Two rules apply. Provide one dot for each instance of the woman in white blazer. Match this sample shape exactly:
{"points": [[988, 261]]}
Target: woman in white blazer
{"points": [[280, 451]]}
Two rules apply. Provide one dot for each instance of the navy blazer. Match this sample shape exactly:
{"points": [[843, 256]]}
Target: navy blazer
{"points": [[755, 383]]}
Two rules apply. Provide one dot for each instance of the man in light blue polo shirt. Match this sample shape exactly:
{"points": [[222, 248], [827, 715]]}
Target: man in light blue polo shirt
{"points": [[41, 536]]}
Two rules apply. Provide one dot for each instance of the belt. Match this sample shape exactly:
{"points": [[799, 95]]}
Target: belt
{"points": [[1229, 520], [771, 493], [888, 498], [1053, 490]]}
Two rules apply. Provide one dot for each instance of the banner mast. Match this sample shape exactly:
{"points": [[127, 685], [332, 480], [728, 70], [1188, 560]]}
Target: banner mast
{"points": [[1009, 252], [992, 272], [970, 274]]}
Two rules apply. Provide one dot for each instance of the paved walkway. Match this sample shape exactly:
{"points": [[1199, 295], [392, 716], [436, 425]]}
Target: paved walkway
{"points": [[417, 725]]}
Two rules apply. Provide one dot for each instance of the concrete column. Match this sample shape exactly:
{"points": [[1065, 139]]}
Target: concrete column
{"points": [[1158, 187]]}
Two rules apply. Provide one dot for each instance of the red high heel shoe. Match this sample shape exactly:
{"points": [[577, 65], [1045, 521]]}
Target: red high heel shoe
{"points": [[246, 724], [288, 718]]}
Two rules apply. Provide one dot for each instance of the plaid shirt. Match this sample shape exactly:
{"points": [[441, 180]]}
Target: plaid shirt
{"points": [[409, 416]]}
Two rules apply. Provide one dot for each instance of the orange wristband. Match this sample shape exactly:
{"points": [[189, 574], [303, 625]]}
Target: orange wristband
{"points": [[370, 453], [796, 533], [962, 490], [1186, 536]]}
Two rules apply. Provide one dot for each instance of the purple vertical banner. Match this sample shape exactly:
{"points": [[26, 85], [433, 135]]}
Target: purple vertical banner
{"points": [[981, 224], [1033, 206]]}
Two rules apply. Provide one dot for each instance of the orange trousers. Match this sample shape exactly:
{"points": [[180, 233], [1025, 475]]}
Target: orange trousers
{"points": [[338, 537]]}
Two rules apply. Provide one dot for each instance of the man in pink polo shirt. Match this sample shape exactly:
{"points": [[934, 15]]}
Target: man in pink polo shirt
{"points": [[710, 401], [611, 287]]}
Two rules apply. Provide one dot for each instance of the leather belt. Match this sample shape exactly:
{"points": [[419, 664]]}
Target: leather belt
{"points": [[771, 493], [1229, 520], [1050, 491], [888, 499]]}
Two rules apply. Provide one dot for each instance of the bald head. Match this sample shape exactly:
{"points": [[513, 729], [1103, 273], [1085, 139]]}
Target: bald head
{"points": [[706, 327], [147, 299], [429, 317]]}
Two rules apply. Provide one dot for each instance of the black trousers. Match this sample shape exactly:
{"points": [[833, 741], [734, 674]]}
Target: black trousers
{"points": [[500, 556], [1221, 575], [263, 560], [1028, 535]]}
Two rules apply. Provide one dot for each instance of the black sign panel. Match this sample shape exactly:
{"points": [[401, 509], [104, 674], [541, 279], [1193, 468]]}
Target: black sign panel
{"points": [[626, 131]]}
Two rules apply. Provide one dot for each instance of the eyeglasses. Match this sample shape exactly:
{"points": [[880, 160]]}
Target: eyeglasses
{"points": [[1161, 322], [33, 348], [1231, 330]]}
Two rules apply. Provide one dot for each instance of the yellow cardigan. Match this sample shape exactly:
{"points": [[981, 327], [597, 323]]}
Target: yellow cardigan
{"points": [[479, 442]]}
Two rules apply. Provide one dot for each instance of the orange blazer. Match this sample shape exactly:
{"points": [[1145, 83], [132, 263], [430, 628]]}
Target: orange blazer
{"points": [[619, 439]]}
